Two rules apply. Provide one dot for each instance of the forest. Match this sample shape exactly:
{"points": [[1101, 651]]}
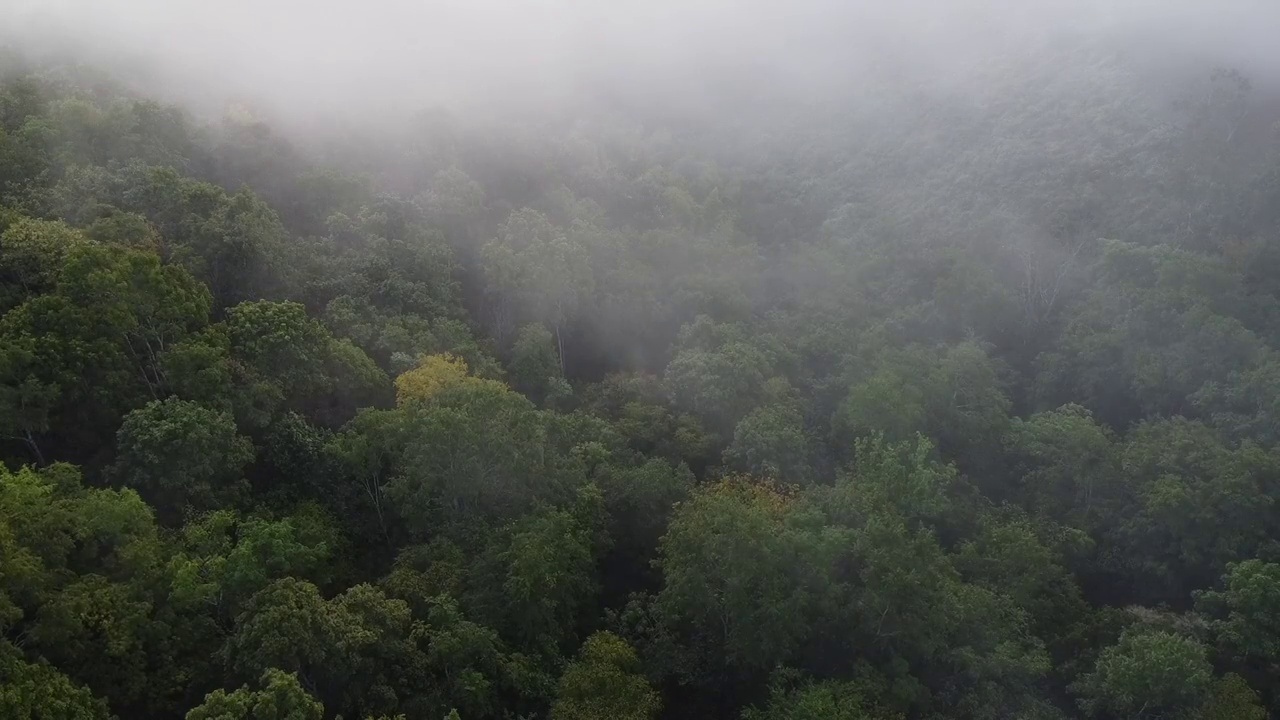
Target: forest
{"points": [[901, 405]]}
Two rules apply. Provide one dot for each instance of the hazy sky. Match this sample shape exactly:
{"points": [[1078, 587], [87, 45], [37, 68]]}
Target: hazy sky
{"points": [[392, 56]]}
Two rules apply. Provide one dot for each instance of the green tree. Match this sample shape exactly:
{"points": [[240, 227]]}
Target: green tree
{"points": [[1064, 465], [281, 698], [368, 451], [1161, 323], [97, 631], [66, 377], [285, 625], [953, 394], [639, 501], [314, 373], [36, 691], [1147, 674], [1181, 475], [77, 584], [604, 683], [32, 253], [277, 340], [120, 229], [200, 369], [76, 359], [544, 576], [472, 671], [235, 243], [771, 442], [639, 409], [901, 595], [535, 263], [535, 364], [149, 306], [717, 374], [224, 559], [1007, 555], [829, 700], [356, 652], [474, 454], [1232, 699], [742, 573], [1243, 616], [180, 455]]}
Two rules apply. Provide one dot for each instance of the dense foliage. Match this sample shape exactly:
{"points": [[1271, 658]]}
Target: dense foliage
{"points": [[610, 418]]}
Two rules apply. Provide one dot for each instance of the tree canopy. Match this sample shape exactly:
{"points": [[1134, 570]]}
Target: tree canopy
{"points": [[969, 415]]}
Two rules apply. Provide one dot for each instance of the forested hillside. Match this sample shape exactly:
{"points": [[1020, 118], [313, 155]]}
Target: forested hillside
{"points": [[903, 405]]}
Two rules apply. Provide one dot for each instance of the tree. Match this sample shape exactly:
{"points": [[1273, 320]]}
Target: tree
{"points": [[314, 373], [639, 502], [32, 253], [771, 442], [717, 374], [540, 580], [1181, 473], [432, 374], [742, 573], [1232, 699], [235, 243], [639, 409], [472, 671], [456, 201], [368, 451], [604, 683], [954, 395], [276, 340], [286, 625], [149, 305], [476, 455], [397, 340], [25, 403], [1007, 556], [534, 262], [1244, 611], [281, 698], [898, 596], [1161, 323], [24, 158], [223, 559], [58, 530], [886, 402], [375, 668], [36, 691], [77, 358], [97, 631], [200, 369], [829, 700], [77, 584], [355, 652], [180, 455], [1063, 464], [66, 377], [535, 364], [121, 229], [1147, 674]]}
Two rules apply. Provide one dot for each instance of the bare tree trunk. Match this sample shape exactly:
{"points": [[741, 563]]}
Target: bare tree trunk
{"points": [[374, 490], [560, 348], [28, 439]]}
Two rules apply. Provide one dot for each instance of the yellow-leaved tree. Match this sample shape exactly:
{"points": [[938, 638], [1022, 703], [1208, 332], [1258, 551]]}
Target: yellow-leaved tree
{"points": [[433, 374]]}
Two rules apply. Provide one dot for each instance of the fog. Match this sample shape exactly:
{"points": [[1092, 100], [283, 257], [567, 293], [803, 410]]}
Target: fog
{"points": [[470, 306], [299, 60]]}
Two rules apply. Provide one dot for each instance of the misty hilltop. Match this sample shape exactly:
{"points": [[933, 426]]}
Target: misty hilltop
{"points": [[632, 361]]}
